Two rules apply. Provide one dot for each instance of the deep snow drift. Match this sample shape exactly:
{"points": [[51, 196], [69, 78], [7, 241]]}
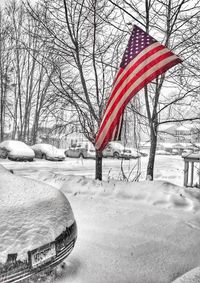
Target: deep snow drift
{"points": [[131, 232], [158, 193]]}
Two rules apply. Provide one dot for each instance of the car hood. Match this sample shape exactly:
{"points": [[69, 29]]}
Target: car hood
{"points": [[31, 214]]}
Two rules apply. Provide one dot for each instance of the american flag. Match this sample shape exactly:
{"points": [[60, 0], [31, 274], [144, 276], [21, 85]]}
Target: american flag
{"points": [[144, 59]]}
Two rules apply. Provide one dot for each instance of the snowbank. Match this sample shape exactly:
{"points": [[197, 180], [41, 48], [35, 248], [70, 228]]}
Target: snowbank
{"points": [[156, 193], [144, 232], [149, 227], [31, 214]]}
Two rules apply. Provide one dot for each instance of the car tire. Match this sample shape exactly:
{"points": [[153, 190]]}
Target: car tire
{"points": [[116, 155], [12, 159], [44, 156], [5, 155]]}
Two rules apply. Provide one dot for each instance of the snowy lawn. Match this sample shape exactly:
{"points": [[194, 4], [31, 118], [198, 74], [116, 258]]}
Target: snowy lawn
{"points": [[169, 168], [128, 232], [138, 232]]}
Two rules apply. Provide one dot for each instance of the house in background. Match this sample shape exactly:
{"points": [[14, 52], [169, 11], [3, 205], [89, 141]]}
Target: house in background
{"points": [[188, 133], [179, 137], [167, 133], [60, 136], [184, 133], [173, 133]]}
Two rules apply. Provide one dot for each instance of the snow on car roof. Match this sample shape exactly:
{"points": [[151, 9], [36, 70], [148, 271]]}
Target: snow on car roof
{"points": [[31, 214], [47, 148], [17, 147], [11, 143]]}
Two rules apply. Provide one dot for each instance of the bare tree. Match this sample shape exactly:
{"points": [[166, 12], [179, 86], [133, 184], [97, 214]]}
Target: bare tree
{"points": [[85, 42], [81, 41], [167, 22], [31, 73], [5, 70]]}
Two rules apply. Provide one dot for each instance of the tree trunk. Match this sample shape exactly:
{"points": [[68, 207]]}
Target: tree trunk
{"points": [[14, 130], [2, 109], [98, 173], [150, 166]]}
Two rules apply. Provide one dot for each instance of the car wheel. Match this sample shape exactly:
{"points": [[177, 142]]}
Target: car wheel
{"points": [[5, 155], [12, 159], [44, 156], [116, 154]]}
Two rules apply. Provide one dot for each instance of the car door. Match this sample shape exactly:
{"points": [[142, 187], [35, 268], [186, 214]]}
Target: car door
{"points": [[74, 151]]}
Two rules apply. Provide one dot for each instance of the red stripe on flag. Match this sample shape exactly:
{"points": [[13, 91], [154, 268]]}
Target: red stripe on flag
{"points": [[138, 88], [125, 79], [130, 83], [144, 59], [117, 85]]}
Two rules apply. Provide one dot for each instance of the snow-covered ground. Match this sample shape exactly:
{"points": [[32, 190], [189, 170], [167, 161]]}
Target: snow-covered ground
{"points": [[169, 167], [128, 232]]}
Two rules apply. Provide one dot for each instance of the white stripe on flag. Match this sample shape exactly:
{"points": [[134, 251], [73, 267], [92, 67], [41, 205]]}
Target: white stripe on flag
{"points": [[131, 76], [113, 115]]}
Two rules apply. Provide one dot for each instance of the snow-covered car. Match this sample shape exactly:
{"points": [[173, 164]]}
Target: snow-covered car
{"points": [[83, 149], [37, 224], [16, 150], [48, 152], [117, 150]]}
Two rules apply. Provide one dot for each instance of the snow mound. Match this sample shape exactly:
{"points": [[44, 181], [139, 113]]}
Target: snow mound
{"points": [[156, 193], [31, 214]]}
